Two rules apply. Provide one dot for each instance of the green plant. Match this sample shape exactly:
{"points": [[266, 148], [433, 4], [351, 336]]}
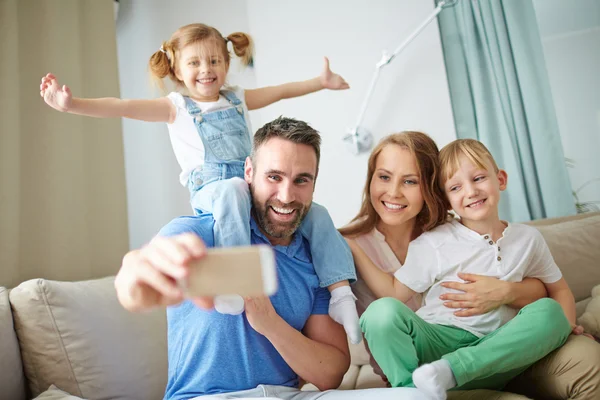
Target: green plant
{"points": [[585, 206]]}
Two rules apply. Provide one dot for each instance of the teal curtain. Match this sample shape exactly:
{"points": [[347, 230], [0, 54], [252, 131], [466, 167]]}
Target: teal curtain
{"points": [[501, 96]]}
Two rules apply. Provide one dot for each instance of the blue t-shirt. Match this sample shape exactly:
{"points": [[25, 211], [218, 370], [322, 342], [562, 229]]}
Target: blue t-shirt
{"points": [[215, 353]]}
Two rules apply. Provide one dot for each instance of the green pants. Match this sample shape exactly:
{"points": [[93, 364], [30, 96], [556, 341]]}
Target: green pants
{"points": [[400, 341]]}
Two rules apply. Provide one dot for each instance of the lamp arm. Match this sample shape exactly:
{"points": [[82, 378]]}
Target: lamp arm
{"points": [[385, 60]]}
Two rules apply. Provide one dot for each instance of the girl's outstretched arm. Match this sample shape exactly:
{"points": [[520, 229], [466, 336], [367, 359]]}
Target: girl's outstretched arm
{"points": [[262, 97], [61, 99], [381, 283]]}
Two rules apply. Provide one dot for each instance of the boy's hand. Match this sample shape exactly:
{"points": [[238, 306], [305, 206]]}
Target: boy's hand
{"points": [[578, 330], [56, 97], [331, 80]]}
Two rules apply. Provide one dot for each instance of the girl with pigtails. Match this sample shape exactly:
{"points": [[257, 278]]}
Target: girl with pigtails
{"points": [[211, 136]]}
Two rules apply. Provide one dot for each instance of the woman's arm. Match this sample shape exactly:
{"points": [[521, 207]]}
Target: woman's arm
{"points": [[262, 97], [482, 294], [61, 99], [381, 283], [525, 292]]}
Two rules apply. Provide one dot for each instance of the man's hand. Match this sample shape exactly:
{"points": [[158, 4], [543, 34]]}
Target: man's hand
{"points": [[260, 314], [482, 294], [148, 276]]}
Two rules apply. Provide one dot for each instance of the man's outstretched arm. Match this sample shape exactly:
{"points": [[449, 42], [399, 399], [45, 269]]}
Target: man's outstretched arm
{"points": [[147, 277]]}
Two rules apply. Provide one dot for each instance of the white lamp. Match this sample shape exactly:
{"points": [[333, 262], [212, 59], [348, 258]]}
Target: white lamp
{"points": [[359, 138]]}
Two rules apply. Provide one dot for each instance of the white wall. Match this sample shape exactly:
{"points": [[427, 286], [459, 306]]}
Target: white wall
{"points": [[570, 34], [291, 38]]}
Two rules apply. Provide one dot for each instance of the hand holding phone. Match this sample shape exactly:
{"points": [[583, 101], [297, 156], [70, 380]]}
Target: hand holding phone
{"points": [[246, 271]]}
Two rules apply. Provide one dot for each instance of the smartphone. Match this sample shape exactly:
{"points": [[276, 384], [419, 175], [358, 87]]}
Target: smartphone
{"points": [[247, 271]]}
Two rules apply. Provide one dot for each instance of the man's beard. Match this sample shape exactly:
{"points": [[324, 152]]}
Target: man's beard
{"points": [[278, 229]]}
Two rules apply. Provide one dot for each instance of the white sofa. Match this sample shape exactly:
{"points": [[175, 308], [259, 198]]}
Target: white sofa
{"points": [[75, 335]]}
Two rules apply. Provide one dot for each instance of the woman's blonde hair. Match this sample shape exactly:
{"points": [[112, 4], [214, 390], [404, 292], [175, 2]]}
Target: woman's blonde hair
{"points": [[163, 62], [474, 150], [425, 151]]}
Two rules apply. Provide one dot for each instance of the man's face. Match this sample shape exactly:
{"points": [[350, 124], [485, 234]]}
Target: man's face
{"points": [[282, 181]]}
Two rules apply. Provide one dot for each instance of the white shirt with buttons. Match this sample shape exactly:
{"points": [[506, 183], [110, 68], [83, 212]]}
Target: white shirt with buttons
{"points": [[439, 255]]}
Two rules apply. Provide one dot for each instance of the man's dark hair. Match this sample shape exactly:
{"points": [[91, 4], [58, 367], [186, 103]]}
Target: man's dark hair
{"points": [[289, 129]]}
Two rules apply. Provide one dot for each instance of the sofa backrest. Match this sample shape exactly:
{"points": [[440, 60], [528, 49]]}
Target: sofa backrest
{"points": [[77, 336], [575, 245]]}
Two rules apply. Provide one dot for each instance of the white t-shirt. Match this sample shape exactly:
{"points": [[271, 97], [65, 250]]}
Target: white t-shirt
{"points": [[186, 142], [438, 256]]}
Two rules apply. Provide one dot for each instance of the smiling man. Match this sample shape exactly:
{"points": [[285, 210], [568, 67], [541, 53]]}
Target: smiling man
{"points": [[279, 340]]}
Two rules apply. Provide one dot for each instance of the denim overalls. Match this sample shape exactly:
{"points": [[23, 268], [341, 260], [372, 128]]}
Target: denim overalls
{"points": [[218, 187], [226, 141]]}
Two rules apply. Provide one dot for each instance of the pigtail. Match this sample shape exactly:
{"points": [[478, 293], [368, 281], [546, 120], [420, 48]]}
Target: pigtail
{"points": [[160, 65], [243, 47]]}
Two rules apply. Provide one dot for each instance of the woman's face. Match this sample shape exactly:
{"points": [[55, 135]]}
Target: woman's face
{"points": [[395, 186]]}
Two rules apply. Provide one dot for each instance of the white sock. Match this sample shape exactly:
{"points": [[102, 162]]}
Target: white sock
{"points": [[434, 379], [342, 309], [232, 304]]}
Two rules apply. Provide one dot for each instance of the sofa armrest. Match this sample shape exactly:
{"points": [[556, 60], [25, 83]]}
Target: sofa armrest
{"points": [[12, 380]]}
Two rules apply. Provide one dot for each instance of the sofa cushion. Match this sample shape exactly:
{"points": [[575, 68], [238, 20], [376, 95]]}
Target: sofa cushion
{"points": [[12, 381], [368, 379], [358, 353], [53, 393], [574, 246], [77, 336]]}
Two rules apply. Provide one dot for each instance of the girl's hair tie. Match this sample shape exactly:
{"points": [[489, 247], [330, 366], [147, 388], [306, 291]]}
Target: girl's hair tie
{"points": [[162, 50]]}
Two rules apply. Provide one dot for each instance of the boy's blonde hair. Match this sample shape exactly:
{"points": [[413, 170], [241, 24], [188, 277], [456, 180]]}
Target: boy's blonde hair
{"points": [[473, 149]]}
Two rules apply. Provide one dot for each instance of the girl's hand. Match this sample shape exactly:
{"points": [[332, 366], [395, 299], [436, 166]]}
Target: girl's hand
{"points": [[482, 294], [56, 97], [331, 80]]}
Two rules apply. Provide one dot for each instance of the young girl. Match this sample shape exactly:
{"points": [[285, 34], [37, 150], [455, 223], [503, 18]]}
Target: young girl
{"points": [[211, 137], [482, 351]]}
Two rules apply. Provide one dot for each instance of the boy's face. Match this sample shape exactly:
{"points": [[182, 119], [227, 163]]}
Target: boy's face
{"points": [[473, 192]]}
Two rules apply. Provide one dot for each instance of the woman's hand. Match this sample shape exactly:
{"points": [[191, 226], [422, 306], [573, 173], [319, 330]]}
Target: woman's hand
{"points": [[331, 80], [482, 294], [56, 97]]}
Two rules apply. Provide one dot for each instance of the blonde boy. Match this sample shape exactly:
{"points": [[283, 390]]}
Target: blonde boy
{"points": [[483, 351]]}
